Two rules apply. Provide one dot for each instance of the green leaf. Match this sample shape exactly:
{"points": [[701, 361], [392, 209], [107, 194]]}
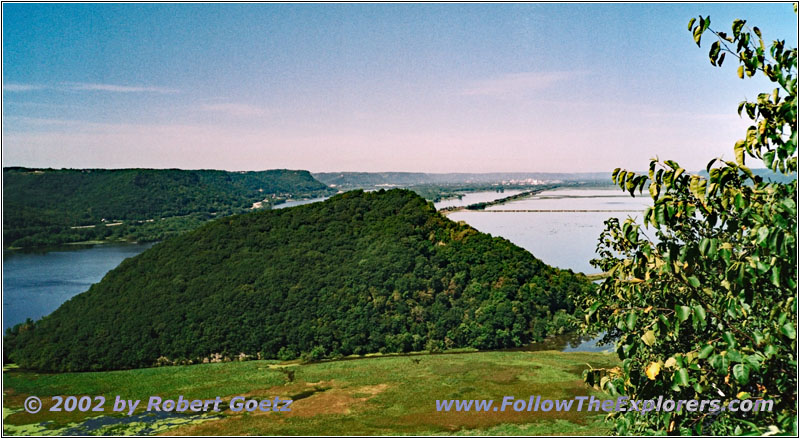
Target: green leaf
{"points": [[691, 23], [738, 201], [649, 338], [699, 312], [775, 277], [726, 255], [738, 151], [713, 53], [734, 356], [737, 26], [698, 187], [703, 247], [694, 281], [758, 337], [742, 373], [661, 214], [719, 363], [698, 32], [763, 234], [754, 361], [712, 249], [705, 352], [681, 378], [728, 337], [683, 312], [653, 190], [630, 320], [788, 330], [769, 158]]}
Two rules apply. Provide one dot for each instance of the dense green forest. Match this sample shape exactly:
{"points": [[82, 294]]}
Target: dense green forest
{"points": [[48, 206], [358, 273]]}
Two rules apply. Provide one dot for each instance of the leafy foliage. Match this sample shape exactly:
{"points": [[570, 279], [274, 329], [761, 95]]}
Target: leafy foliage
{"points": [[707, 308], [47, 206], [356, 274]]}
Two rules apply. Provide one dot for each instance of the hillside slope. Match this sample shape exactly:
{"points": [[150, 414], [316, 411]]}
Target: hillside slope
{"points": [[358, 273], [47, 206]]}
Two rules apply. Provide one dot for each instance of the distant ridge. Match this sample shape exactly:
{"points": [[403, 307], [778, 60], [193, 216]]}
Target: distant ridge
{"points": [[367, 179], [352, 180], [52, 206]]}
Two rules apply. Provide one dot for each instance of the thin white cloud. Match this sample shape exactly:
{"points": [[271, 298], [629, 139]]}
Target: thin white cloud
{"points": [[237, 110], [37, 121], [81, 86], [21, 87], [84, 86], [515, 83]]}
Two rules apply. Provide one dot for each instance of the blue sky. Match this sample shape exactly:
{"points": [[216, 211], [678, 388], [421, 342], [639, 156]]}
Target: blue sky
{"points": [[382, 87]]}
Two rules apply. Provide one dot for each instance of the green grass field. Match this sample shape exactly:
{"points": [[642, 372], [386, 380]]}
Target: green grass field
{"points": [[366, 396]]}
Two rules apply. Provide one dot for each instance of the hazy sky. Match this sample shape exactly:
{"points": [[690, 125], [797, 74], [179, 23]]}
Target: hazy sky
{"points": [[402, 87]]}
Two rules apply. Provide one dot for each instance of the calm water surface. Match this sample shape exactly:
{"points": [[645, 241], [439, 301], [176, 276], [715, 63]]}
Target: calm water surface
{"points": [[475, 197], [561, 226], [572, 342], [298, 202], [35, 284]]}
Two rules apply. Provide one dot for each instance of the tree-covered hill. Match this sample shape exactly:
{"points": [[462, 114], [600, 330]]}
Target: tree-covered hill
{"points": [[358, 273], [48, 206]]}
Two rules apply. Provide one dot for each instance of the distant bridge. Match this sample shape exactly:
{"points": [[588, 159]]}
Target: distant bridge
{"points": [[555, 210]]}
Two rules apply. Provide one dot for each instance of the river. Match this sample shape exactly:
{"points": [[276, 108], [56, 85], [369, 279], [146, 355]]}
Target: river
{"points": [[35, 283], [560, 226], [474, 197]]}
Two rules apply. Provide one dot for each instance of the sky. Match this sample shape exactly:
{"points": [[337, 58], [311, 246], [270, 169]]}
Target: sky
{"points": [[372, 87]]}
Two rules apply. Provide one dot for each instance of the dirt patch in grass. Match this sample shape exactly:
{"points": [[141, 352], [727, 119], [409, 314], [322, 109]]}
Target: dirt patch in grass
{"points": [[504, 376], [330, 401], [334, 401], [371, 390]]}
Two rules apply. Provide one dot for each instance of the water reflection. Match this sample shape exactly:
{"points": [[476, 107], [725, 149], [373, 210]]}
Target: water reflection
{"points": [[475, 197], [298, 202], [560, 227], [571, 342], [36, 282]]}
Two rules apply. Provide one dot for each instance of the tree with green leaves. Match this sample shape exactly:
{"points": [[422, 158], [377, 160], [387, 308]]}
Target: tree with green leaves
{"points": [[702, 297]]}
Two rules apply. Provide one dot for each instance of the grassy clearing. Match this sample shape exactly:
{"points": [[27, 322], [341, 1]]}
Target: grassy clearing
{"points": [[368, 396]]}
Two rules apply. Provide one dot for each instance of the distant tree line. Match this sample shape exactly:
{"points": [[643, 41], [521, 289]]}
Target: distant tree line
{"points": [[47, 206]]}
